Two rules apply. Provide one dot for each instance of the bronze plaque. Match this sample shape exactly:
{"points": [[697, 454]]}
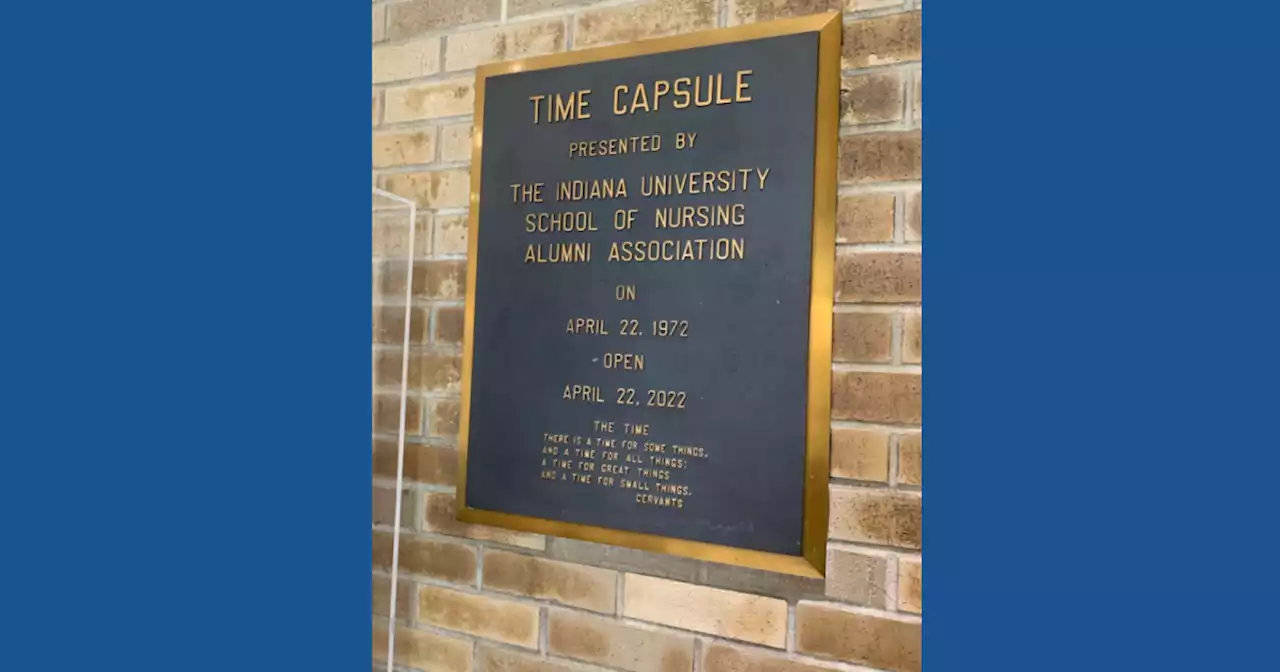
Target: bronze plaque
{"points": [[648, 327]]}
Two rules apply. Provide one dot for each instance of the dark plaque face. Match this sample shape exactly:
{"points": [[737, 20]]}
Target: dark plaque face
{"points": [[640, 329]]}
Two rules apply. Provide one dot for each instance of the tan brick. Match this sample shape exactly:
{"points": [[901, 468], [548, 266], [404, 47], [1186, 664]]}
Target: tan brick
{"points": [[877, 157], [879, 277], [641, 21], [449, 325], [609, 642], [871, 99], [917, 105], [443, 560], [384, 507], [423, 650], [406, 595], [428, 371], [882, 517], [910, 585], [437, 280], [879, 641], [435, 465], [575, 585], [419, 16], [876, 397], [860, 454], [624, 559], [416, 102], [406, 61], [721, 657], [444, 417], [386, 414], [479, 615], [864, 5], [915, 223], [432, 189], [455, 142], [910, 459], [464, 51], [389, 278], [379, 24], [441, 372], [493, 659], [751, 11], [913, 339], [391, 237], [864, 219], [521, 7], [442, 280], [760, 582], [717, 612], [439, 516], [881, 40], [862, 337], [855, 577], [376, 96], [388, 325], [435, 372], [404, 148], [451, 234]]}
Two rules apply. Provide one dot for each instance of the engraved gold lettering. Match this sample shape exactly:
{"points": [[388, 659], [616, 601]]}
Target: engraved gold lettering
{"points": [[699, 249], [709, 89], [624, 360], [680, 91], [537, 102], [527, 193], [670, 502], [689, 451], [615, 146], [560, 222], [703, 181], [700, 216], [558, 253], [669, 462], [666, 399], [586, 325], [669, 328], [671, 489], [588, 190], [660, 88], [585, 393], [627, 396], [618, 91], [698, 87], [564, 107], [639, 100], [720, 98]]}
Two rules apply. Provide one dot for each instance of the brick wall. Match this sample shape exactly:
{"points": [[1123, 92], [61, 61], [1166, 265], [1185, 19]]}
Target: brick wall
{"points": [[478, 598]]}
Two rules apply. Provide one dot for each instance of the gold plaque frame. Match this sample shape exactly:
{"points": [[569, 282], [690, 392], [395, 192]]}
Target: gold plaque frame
{"points": [[812, 562]]}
